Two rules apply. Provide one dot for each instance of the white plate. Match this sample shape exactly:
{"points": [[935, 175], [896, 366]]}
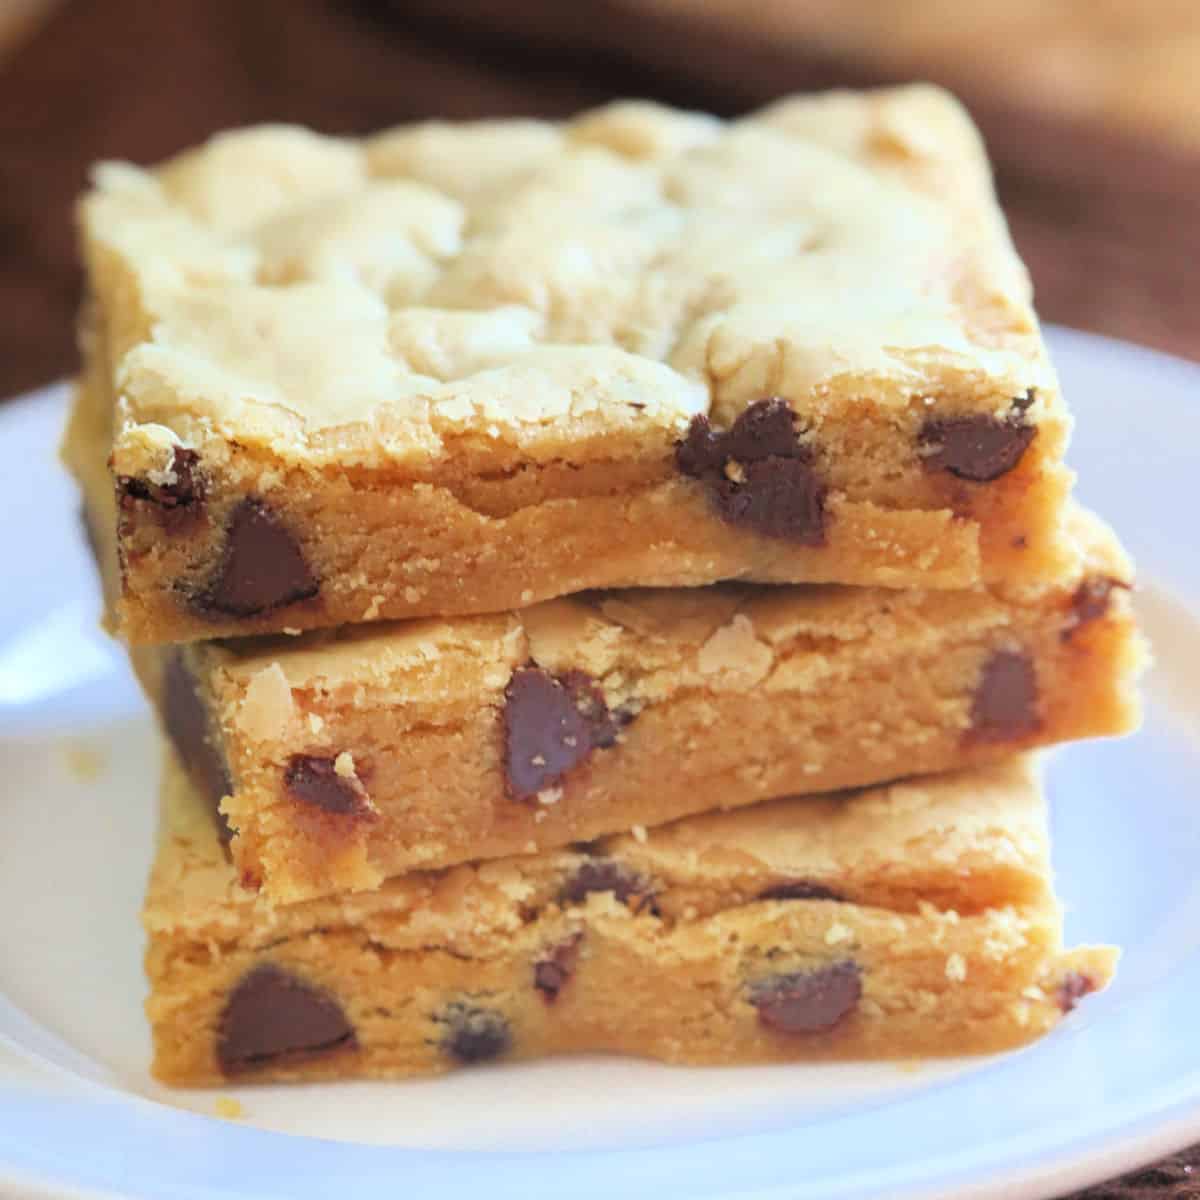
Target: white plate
{"points": [[1117, 1085]]}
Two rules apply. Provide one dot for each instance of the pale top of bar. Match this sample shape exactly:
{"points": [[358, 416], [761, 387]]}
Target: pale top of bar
{"points": [[530, 287]]}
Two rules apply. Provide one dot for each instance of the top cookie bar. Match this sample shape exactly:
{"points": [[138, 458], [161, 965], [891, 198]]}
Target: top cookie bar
{"points": [[455, 369]]}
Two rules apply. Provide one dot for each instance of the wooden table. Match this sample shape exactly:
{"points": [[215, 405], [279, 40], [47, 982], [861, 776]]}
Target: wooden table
{"points": [[1094, 128]]}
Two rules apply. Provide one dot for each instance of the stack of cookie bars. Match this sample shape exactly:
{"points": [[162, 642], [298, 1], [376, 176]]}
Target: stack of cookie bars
{"points": [[370, 435]]}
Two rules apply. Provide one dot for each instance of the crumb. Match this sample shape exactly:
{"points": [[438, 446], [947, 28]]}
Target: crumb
{"points": [[550, 795], [639, 833], [85, 763], [837, 932], [229, 1108]]}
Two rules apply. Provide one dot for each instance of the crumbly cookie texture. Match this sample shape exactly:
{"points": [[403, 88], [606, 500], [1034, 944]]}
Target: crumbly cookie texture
{"points": [[456, 369], [342, 758], [917, 919]]}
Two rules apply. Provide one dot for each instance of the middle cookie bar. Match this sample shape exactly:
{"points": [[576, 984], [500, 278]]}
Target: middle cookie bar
{"points": [[336, 760]]}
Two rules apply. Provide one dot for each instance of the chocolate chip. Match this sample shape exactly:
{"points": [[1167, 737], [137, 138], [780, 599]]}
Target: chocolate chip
{"points": [[552, 973], [603, 724], [758, 473], [474, 1034], [261, 567], [1005, 704], [1075, 985], [187, 725], [976, 446], [178, 504], [274, 1017], [607, 875], [1090, 601], [801, 889], [808, 1001], [764, 429], [551, 724], [314, 780]]}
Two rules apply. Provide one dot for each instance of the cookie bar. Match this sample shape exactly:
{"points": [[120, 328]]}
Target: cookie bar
{"points": [[917, 919], [463, 369]]}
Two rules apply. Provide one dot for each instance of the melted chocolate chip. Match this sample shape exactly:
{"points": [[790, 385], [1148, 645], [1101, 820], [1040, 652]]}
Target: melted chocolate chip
{"points": [[604, 724], [607, 875], [273, 1017], [1075, 985], [801, 889], [474, 1034], [177, 504], [261, 567], [551, 724], [552, 973], [758, 473], [978, 447], [1090, 601], [1005, 705], [187, 725], [808, 1001], [314, 780]]}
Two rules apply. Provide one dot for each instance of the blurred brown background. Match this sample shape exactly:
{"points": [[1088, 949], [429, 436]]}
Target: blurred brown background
{"points": [[1091, 109]]}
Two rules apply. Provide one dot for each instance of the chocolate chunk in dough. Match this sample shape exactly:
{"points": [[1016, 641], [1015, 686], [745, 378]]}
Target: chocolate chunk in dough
{"points": [[607, 875], [758, 473], [1075, 985], [177, 504], [314, 780], [801, 889], [976, 446], [1005, 705], [551, 724], [474, 1034], [273, 1016], [808, 1001], [552, 973], [1090, 601], [261, 567]]}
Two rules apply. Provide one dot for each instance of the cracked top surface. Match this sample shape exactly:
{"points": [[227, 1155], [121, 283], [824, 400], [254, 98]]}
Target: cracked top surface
{"points": [[961, 838], [574, 290]]}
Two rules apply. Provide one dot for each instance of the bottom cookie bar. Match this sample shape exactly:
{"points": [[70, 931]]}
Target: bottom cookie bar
{"points": [[914, 919]]}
